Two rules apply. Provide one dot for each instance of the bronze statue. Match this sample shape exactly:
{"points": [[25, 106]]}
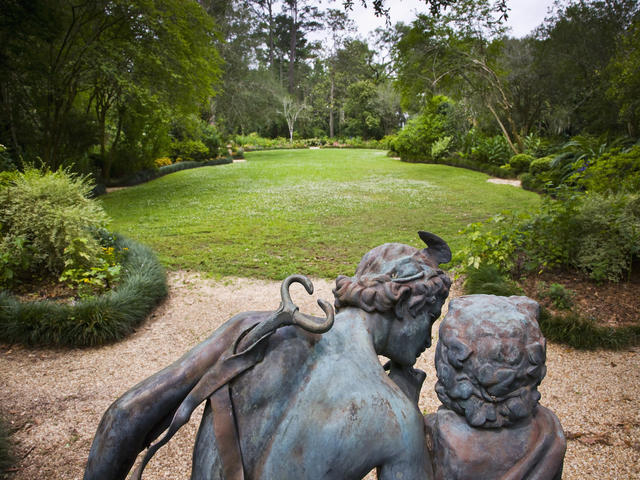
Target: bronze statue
{"points": [[294, 397], [490, 359]]}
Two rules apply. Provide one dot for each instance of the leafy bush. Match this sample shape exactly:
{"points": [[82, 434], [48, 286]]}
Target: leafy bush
{"points": [[540, 165], [491, 150], [42, 214], [190, 150], [94, 320], [560, 296], [597, 235], [608, 236], [612, 172], [416, 140], [489, 280], [211, 140], [520, 163], [162, 162]]}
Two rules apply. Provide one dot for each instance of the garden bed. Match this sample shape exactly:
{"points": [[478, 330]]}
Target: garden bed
{"points": [[88, 321]]}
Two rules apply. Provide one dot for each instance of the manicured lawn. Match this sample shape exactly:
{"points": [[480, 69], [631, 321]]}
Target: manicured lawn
{"points": [[314, 212]]}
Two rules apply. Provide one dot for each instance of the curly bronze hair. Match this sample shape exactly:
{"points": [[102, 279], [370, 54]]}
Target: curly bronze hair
{"points": [[490, 359], [394, 277]]}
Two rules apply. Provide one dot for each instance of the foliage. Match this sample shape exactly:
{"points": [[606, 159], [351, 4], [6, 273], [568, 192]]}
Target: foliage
{"points": [[520, 163], [597, 235], [162, 162], [624, 73], [327, 206], [91, 321], [560, 296], [584, 333], [254, 142], [612, 172], [491, 150], [102, 75], [190, 150], [487, 279], [42, 215], [103, 275], [415, 142], [574, 48]]}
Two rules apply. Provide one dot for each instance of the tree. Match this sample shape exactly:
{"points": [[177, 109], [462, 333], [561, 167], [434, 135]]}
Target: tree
{"points": [[574, 47], [72, 64], [339, 25], [454, 54], [624, 73], [291, 110]]}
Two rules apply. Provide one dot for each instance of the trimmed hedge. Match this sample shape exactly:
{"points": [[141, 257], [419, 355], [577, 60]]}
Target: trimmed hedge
{"points": [[94, 321], [144, 176]]}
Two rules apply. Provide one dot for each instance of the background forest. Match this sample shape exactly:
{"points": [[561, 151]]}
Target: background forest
{"points": [[116, 86]]}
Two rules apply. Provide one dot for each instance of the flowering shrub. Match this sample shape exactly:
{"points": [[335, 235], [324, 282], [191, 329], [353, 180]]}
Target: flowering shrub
{"points": [[162, 162]]}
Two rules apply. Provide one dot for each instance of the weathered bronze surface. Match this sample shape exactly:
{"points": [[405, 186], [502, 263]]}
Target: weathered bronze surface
{"points": [[299, 403], [490, 359]]}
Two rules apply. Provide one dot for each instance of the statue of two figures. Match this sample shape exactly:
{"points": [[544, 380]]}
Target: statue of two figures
{"points": [[289, 396]]}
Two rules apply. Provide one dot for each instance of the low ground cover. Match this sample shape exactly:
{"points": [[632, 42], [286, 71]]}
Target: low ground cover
{"points": [[308, 211]]}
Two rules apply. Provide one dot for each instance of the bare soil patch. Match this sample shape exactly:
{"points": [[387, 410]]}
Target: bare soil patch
{"points": [[610, 304], [53, 399]]}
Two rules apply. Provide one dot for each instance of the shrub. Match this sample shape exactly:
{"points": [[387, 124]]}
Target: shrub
{"points": [[489, 280], [612, 172], [530, 182], [560, 296], [520, 163], [608, 236], [90, 321], [597, 235], [41, 215], [162, 162], [415, 141], [211, 140], [491, 150], [190, 150], [540, 165]]}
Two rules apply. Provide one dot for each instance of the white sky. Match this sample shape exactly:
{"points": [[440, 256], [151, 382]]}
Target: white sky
{"points": [[524, 16]]}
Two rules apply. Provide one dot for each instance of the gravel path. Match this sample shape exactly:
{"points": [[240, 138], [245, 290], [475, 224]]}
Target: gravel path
{"points": [[54, 399]]}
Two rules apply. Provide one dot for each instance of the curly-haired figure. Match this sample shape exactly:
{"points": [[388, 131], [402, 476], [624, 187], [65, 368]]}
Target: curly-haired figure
{"points": [[490, 360]]}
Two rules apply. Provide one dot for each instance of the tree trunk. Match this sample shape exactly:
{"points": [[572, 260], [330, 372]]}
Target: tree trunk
{"points": [[502, 127], [331, 98], [293, 41]]}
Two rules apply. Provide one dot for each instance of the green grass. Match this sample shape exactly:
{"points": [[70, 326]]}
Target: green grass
{"points": [[314, 212]]}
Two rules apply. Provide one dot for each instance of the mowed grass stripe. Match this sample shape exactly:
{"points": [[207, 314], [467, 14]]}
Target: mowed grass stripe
{"points": [[314, 212]]}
